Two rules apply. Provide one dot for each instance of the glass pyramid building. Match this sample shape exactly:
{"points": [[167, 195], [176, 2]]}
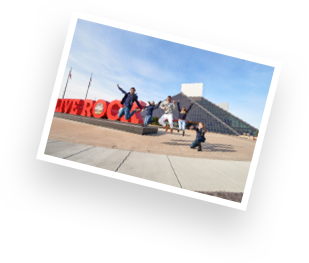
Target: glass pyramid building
{"points": [[214, 117]]}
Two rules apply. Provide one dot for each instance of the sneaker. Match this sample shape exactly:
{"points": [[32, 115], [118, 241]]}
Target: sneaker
{"points": [[136, 110]]}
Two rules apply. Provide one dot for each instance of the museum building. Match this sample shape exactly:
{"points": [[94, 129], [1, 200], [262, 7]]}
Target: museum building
{"points": [[215, 117]]}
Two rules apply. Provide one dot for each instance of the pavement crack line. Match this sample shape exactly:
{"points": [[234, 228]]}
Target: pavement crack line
{"points": [[226, 176], [53, 141], [79, 152], [174, 171], [123, 161]]}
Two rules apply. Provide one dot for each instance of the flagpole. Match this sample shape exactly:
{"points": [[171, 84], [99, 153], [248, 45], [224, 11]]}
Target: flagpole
{"points": [[66, 83], [88, 86]]}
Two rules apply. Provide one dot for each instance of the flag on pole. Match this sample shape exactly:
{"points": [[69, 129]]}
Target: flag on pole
{"points": [[70, 75]]}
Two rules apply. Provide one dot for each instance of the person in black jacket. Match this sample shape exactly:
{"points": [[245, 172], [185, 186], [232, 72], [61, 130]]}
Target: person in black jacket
{"points": [[182, 117], [200, 136], [127, 102], [150, 108]]}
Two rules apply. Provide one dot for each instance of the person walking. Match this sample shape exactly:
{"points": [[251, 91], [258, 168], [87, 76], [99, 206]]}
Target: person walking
{"points": [[168, 106], [182, 117], [127, 102], [200, 136], [150, 108]]}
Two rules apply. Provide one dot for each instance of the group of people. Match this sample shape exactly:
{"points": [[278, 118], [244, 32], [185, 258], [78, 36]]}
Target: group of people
{"points": [[168, 106]]}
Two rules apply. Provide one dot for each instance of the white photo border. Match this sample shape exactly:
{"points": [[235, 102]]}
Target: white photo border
{"points": [[77, 15]]}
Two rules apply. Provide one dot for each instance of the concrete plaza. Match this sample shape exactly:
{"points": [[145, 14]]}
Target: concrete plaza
{"points": [[217, 146], [166, 158]]}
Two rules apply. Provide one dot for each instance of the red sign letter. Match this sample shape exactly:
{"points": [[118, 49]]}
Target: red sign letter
{"points": [[137, 117], [101, 109], [113, 109], [77, 107], [87, 109], [64, 102], [59, 105], [68, 105]]}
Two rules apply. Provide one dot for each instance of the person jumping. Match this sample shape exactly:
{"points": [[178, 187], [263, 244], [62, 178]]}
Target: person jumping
{"points": [[127, 102], [200, 136], [168, 108], [150, 108], [182, 117]]}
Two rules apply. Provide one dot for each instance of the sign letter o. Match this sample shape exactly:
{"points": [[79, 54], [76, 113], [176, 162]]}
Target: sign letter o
{"points": [[100, 108]]}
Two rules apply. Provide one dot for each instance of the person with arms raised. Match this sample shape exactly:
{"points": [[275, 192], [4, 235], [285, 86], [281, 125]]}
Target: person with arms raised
{"points": [[127, 102], [182, 117], [150, 108]]}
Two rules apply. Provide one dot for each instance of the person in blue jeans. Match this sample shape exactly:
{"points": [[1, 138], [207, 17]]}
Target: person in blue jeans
{"points": [[127, 102], [200, 136], [150, 108], [182, 117]]}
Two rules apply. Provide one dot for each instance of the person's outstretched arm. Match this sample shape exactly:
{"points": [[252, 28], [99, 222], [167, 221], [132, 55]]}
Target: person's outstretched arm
{"points": [[174, 105], [178, 106], [137, 102], [146, 107], [190, 107], [124, 92], [157, 106]]}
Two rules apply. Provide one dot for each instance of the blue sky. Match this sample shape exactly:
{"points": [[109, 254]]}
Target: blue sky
{"points": [[157, 68]]}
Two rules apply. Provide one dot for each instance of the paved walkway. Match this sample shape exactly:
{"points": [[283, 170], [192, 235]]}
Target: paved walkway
{"points": [[217, 146], [195, 174]]}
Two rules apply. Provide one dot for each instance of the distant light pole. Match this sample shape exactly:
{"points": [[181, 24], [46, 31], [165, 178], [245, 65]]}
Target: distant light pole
{"points": [[69, 76], [88, 86]]}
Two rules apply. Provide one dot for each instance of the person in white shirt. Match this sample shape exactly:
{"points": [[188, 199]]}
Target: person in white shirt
{"points": [[168, 106]]}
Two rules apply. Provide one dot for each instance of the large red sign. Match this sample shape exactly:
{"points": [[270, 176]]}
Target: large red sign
{"points": [[97, 109]]}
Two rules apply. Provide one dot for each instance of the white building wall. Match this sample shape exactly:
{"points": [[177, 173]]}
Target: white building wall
{"points": [[192, 89], [224, 105], [196, 90]]}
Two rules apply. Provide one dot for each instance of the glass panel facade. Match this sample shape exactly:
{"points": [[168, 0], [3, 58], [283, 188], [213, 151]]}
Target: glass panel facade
{"points": [[237, 124], [196, 114]]}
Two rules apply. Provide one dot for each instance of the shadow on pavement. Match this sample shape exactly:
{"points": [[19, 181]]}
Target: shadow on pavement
{"points": [[207, 147]]}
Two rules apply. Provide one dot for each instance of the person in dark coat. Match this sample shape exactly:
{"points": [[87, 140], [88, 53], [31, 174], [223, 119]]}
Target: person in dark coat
{"points": [[150, 108], [127, 102], [200, 136], [182, 117]]}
